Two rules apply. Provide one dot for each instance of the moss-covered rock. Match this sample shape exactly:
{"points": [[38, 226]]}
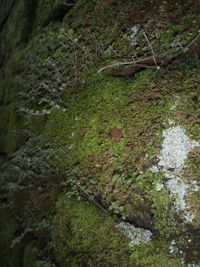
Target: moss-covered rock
{"points": [[155, 254], [85, 236], [106, 132]]}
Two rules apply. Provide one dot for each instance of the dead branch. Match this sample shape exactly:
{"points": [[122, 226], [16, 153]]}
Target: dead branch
{"points": [[151, 47], [148, 62]]}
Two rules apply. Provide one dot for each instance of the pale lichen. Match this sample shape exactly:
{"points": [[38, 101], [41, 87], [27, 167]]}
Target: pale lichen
{"points": [[175, 149], [136, 235]]}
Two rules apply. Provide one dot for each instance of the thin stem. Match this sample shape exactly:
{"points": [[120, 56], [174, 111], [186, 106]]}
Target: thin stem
{"points": [[151, 47]]}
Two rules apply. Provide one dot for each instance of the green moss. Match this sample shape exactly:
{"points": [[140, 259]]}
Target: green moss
{"points": [[18, 25], [37, 124], [7, 230], [83, 132], [30, 255], [8, 227], [85, 127], [139, 108], [9, 124], [86, 236], [154, 254], [48, 10]]}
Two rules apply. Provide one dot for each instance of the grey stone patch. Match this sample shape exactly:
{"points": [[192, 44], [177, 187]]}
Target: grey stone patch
{"points": [[136, 235]]}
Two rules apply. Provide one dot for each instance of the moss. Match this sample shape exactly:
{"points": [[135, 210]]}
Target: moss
{"points": [[6, 6], [161, 204], [50, 10], [86, 236], [140, 109], [9, 120], [155, 254], [18, 26], [7, 230], [37, 124], [30, 255], [78, 241], [115, 170], [8, 227], [90, 122]]}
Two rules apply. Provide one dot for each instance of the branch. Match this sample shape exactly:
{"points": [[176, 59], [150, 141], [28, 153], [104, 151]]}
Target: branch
{"points": [[148, 62], [151, 47], [90, 198], [124, 63]]}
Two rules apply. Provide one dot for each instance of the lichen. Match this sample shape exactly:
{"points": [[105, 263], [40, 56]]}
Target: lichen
{"points": [[136, 235]]}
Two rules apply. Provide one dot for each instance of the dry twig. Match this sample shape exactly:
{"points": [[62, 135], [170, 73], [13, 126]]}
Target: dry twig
{"points": [[149, 62]]}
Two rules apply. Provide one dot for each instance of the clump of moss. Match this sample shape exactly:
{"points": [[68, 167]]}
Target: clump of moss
{"points": [[18, 25], [155, 254], [7, 228], [86, 236], [30, 255]]}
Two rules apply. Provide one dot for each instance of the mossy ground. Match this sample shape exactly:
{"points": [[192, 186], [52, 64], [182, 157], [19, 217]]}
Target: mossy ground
{"points": [[87, 236]]}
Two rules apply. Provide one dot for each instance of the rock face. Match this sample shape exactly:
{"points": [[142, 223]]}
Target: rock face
{"points": [[91, 160]]}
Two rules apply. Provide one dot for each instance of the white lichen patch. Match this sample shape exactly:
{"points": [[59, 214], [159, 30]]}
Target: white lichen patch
{"points": [[136, 235], [159, 187], [175, 104], [133, 37], [154, 169], [175, 149], [171, 122], [193, 265], [173, 248], [177, 187]]}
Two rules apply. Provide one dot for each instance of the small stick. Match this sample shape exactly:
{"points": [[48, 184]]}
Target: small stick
{"points": [[141, 60], [124, 63], [151, 47]]}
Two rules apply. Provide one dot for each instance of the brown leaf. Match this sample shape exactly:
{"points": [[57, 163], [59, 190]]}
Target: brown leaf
{"points": [[115, 134]]}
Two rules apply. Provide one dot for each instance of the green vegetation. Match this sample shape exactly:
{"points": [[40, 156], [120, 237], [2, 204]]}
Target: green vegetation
{"points": [[66, 127], [85, 235], [154, 254]]}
